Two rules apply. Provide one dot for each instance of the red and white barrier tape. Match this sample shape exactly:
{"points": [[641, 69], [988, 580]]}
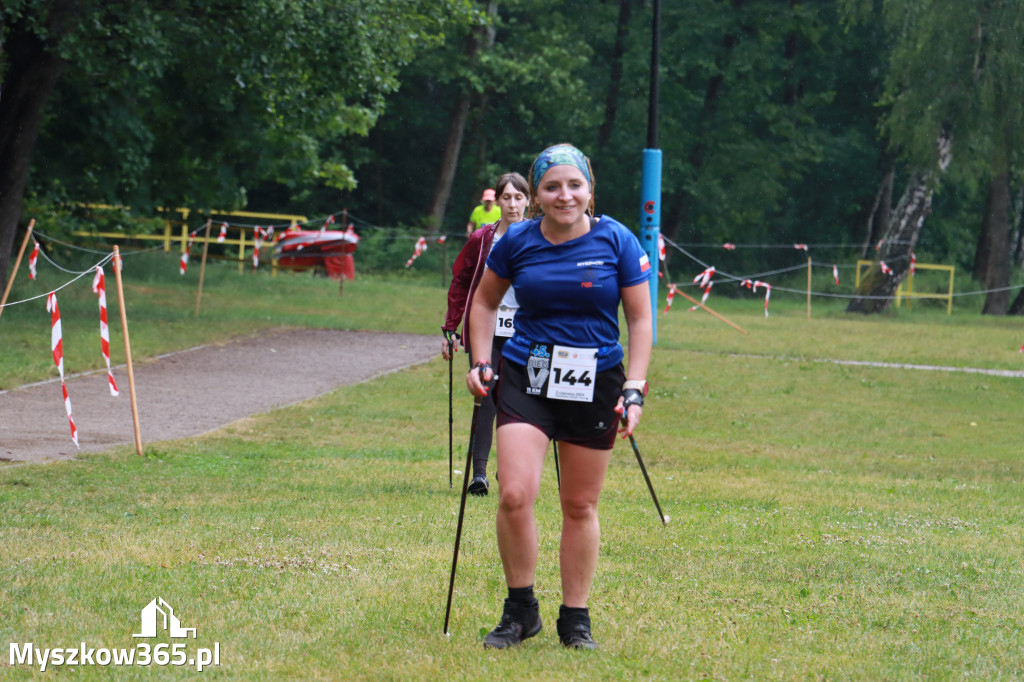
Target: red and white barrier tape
{"points": [[99, 286], [886, 270], [704, 298], [33, 259], [670, 296], [661, 255], [421, 246], [801, 247], [729, 246], [753, 285], [913, 263], [351, 233], [223, 233], [442, 239], [183, 264], [703, 280], [258, 235], [57, 347], [835, 272]]}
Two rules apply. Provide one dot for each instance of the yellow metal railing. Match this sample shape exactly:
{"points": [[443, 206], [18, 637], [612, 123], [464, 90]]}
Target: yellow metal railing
{"points": [[168, 237], [909, 293]]}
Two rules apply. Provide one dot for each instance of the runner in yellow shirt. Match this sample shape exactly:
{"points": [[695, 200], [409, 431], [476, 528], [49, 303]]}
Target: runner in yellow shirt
{"points": [[484, 214]]}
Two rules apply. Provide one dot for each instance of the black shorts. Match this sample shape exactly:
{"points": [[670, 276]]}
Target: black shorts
{"points": [[591, 425]]}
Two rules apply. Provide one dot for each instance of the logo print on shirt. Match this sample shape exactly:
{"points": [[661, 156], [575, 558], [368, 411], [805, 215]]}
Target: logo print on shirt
{"points": [[588, 281]]}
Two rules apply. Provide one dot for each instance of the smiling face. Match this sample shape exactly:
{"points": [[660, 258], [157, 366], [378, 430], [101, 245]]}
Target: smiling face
{"points": [[512, 203], [563, 195]]}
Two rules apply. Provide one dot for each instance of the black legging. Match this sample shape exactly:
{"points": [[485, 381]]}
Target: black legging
{"points": [[486, 414]]}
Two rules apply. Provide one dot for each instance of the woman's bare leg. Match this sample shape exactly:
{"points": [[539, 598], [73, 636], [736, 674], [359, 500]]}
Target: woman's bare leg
{"points": [[521, 451], [583, 471]]}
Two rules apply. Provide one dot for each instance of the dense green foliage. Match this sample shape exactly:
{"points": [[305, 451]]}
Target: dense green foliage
{"points": [[778, 120], [188, 103]]}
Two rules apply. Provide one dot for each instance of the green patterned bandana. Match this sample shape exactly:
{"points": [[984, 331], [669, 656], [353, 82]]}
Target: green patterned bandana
{"points": [[559, 155]]}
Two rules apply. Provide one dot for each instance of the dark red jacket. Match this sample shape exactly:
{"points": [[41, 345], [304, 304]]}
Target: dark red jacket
{"points": [[466, 273]]}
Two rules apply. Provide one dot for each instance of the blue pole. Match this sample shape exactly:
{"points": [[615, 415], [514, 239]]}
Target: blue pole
{"points": [[650, 223]]}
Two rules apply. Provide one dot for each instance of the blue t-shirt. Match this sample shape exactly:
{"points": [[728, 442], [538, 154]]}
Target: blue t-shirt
{"points": [[569, 293]]}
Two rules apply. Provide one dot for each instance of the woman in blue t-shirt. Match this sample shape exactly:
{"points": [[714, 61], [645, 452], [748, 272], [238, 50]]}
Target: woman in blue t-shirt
{"points": [[561, 378]]}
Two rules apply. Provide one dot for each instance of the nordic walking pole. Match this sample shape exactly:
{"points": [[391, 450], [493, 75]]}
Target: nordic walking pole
{"points": [[17, 264], [451, 347], [640, 461], [558, 475], [462, 510], [202, 266], [127, 351]]}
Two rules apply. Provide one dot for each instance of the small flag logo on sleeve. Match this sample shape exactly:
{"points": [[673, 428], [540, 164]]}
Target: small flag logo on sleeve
{"points": [[645, 263]]}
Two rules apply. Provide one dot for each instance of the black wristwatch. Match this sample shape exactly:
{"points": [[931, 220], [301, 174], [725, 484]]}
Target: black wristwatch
{"points": [[633, 393]]}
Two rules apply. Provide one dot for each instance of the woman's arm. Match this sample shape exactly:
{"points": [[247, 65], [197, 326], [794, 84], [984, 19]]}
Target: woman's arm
{"points": [[459, 289], [481, 332], [636, 304]]}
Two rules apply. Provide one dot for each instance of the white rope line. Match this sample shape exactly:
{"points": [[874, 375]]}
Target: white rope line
{"points": [[720, 245], [727, 277], [75, 247], [62, 286]]}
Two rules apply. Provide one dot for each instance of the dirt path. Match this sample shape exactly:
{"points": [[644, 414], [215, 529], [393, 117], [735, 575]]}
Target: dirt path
{"points": [[198, 390]]}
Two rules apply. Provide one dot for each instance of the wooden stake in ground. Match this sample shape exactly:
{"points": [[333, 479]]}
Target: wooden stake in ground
{"points": [[202, 266], [17, 264], [127, 351], [808, 287], [691, 299]]}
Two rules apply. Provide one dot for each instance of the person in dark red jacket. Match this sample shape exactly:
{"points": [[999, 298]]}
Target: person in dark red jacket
{"points": [[512, 191]]}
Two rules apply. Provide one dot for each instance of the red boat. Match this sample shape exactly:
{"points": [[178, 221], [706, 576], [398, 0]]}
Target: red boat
{"points": [[329, 250]]}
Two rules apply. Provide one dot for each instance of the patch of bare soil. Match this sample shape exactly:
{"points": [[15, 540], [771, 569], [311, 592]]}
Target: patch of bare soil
{"points": [[198, 390]]}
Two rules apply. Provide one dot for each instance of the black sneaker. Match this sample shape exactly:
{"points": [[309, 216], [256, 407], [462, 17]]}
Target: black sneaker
{"points": [[478, 486], [574, 633], [518, 622]]}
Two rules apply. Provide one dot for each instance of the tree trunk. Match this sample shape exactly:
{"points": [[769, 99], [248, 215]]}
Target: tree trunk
{"points": [[484, 37], [681, 205], [611, 105], [480, 141], [877, 288], [1017, 307], [32, 72], [881, 212], [981, 250], [793, 85], [996, 224], [445, 175], [1017, 237]]}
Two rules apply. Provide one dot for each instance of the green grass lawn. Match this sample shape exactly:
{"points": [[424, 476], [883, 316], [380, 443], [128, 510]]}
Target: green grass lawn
{"points": [[827, 521]]}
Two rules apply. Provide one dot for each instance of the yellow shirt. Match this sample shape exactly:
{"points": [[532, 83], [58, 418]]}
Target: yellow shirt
{"points": [[480, 216]]}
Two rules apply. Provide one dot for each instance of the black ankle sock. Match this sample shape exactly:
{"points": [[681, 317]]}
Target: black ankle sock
{"points": [[522, 595], [570, 615]]}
